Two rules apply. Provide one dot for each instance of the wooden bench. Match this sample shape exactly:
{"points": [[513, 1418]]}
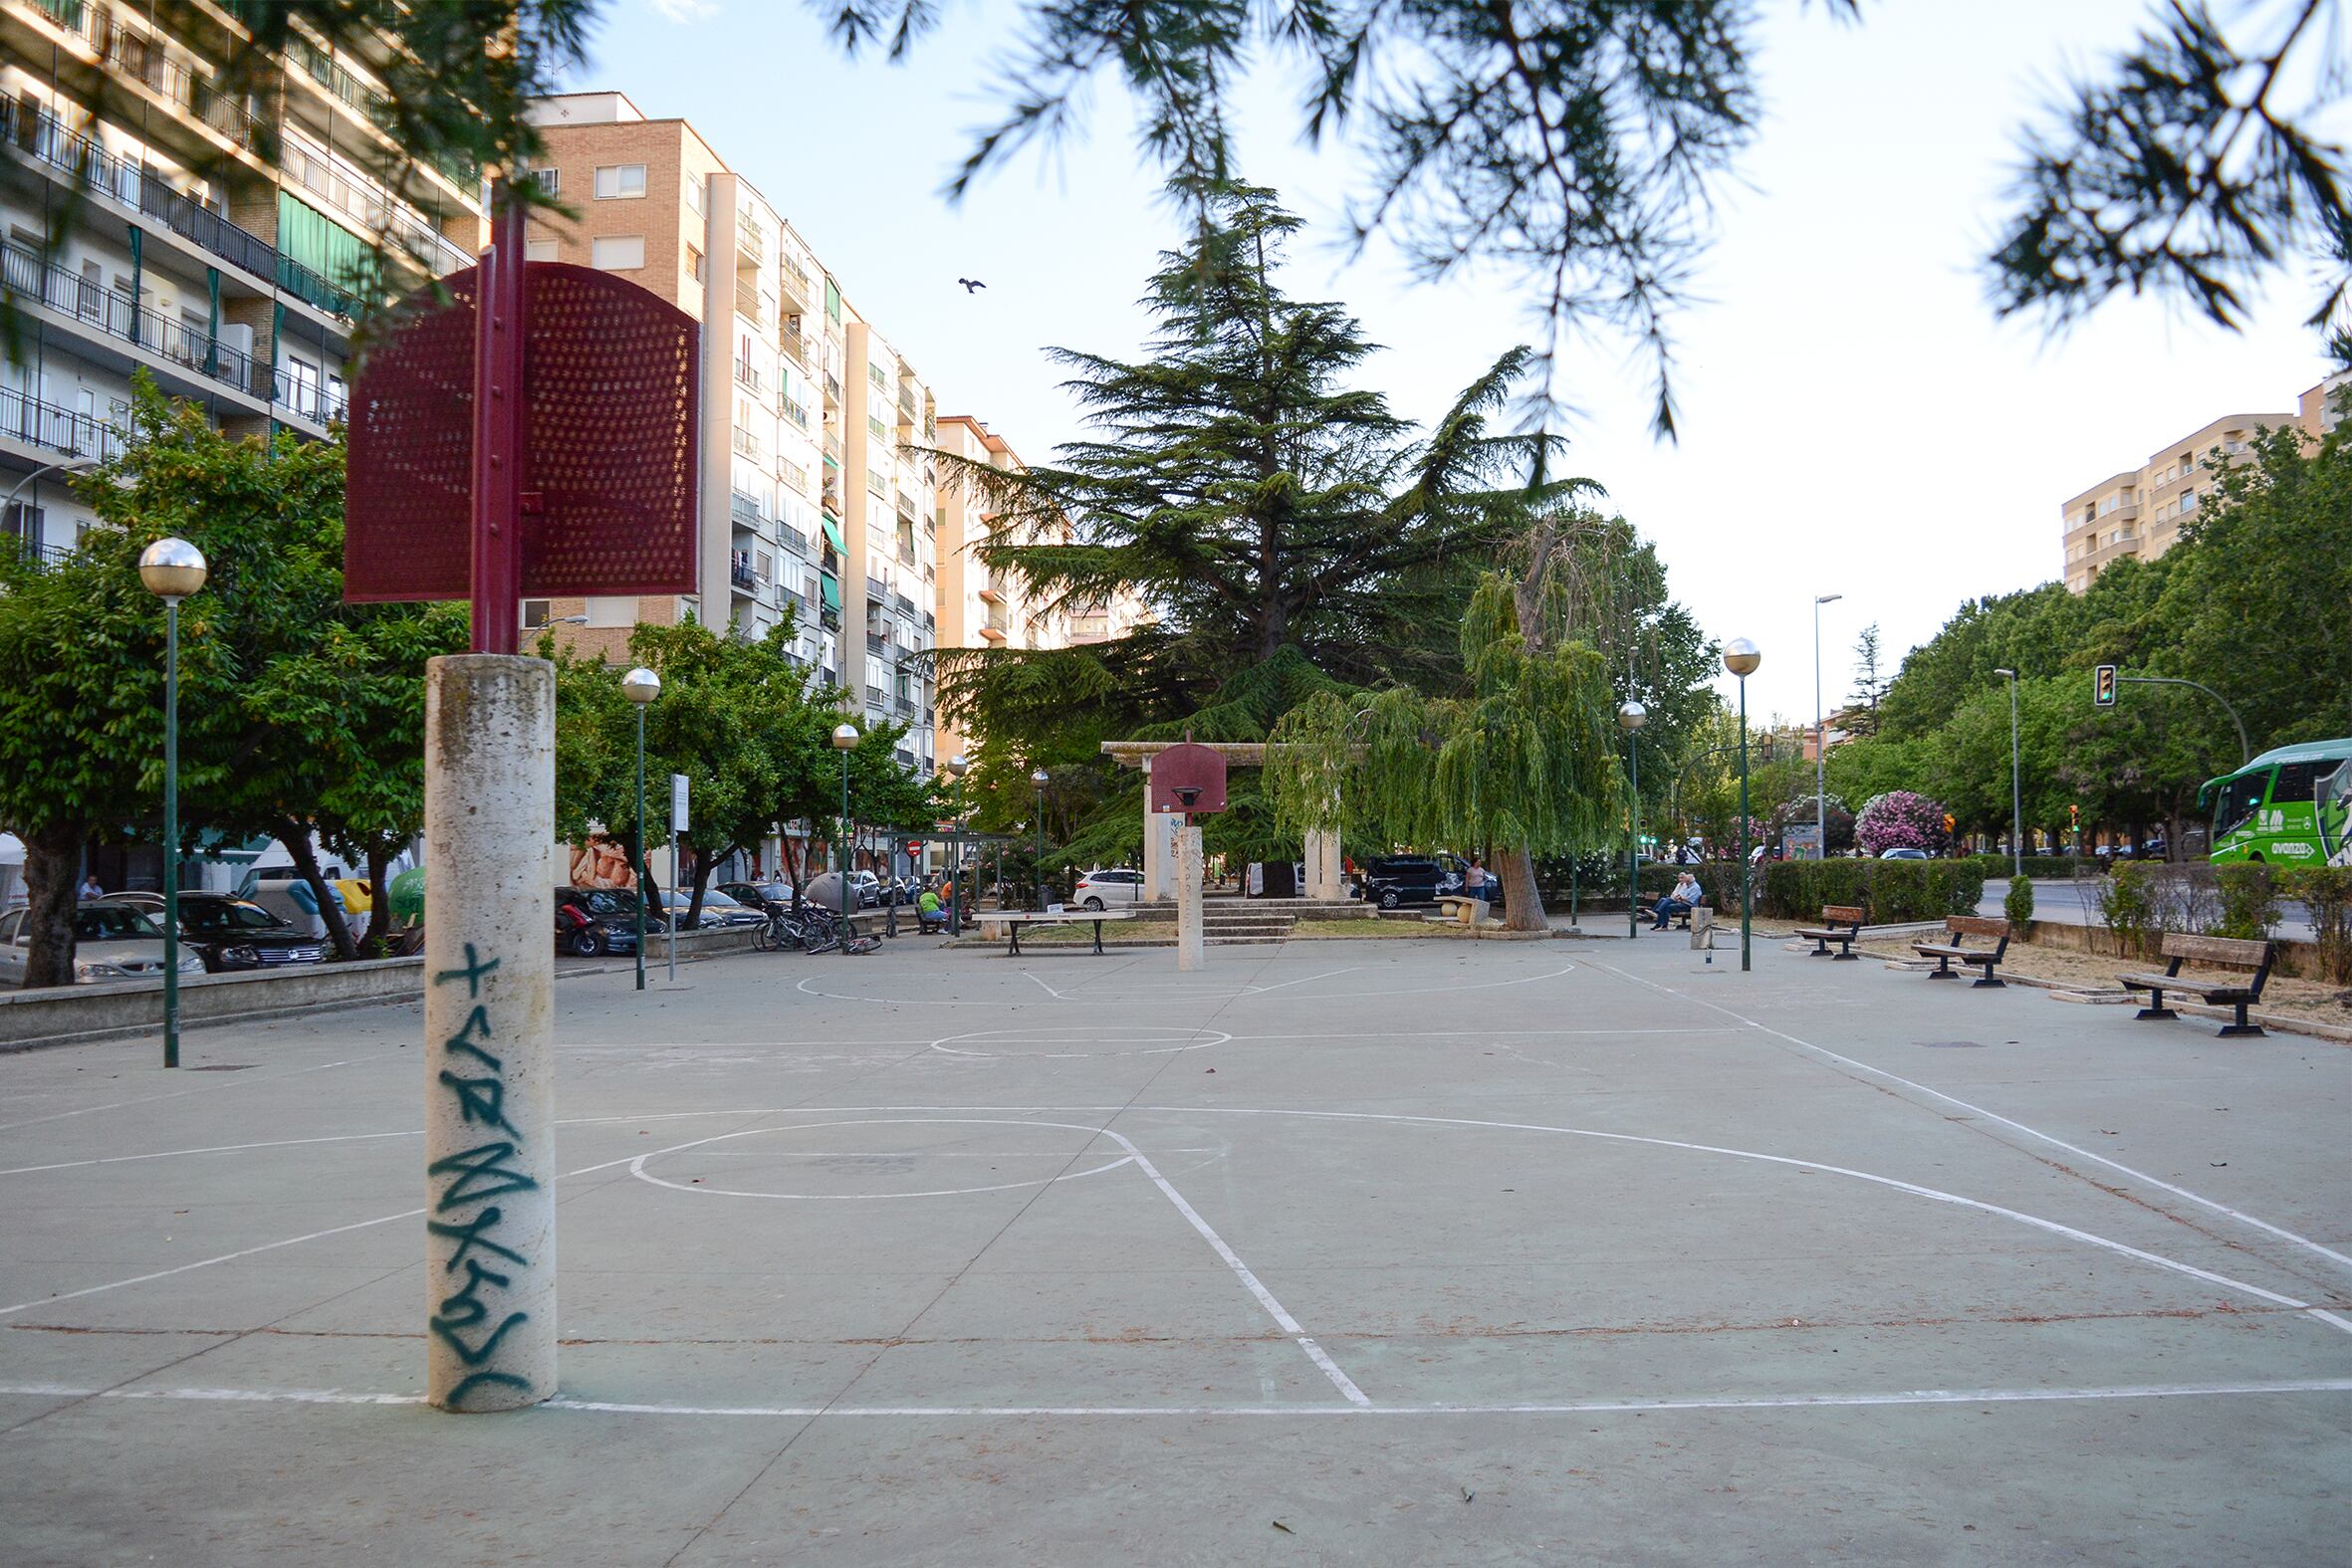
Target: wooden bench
{"points": [[2220, 953], [1841, 924], [1947, 954], [1012, 921]]}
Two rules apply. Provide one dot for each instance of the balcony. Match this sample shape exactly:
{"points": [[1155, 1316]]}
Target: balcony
{"points": [[304, 398], [46, 426], [797, 413], [747, 376], [740, 574], [877, 645], [747, 444], [101, 309], [796, 347], [876, 593], [992, 591], [751, 246], [749, 303], [795, 278], [906, 607], [742, 509], [39, 554], [876, 699], [795, 543]]}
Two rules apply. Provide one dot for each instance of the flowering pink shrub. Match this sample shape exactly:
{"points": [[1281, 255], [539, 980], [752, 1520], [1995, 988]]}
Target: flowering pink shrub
{"points": [[1900, 820]]}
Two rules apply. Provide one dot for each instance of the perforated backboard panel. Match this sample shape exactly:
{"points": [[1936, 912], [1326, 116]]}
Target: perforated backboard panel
{"points": [[611, 384], [1187, 767]]}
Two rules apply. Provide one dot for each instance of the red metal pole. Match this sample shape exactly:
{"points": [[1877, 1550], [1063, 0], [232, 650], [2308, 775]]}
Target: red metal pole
{"points": [[498, 431]]}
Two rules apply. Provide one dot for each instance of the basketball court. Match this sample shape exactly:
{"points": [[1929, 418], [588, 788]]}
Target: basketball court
{"points": [[1376, 1250]]}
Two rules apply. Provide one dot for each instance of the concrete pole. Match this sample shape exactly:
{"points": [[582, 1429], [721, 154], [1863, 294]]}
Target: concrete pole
{"points": [[1322, 863], [489, 1024], [1155, 845], [1188, 898]]}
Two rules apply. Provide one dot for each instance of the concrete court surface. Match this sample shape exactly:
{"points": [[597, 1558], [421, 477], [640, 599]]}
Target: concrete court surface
{"points": [[1375, 1251]]}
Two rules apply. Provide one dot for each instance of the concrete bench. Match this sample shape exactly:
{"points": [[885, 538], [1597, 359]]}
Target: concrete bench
{"points": [[1947, 954], [1461, 910], [1841, 924], [2222, 952]]}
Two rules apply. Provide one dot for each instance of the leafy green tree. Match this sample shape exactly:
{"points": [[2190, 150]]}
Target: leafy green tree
{"points": [[1525, 762], [299, 715], [1860, 718]]}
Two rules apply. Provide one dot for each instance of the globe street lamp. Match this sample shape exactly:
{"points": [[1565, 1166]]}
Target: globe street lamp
{"points": [[2016, 795], [956, 765], [1040, 778], [172, 569], [1741, 657], [1630, 719], [641, 686], [844, 741], [1820, 734]]}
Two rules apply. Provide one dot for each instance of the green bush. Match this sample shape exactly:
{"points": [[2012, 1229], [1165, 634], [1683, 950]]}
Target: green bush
{"points": [[2249, 900], [2017, 907], [2044, 866], [2326, 891], [2127, 904], [1890, 892]]}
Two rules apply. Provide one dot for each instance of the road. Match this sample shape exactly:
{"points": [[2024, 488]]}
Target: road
{"points": [[2075, 904]]}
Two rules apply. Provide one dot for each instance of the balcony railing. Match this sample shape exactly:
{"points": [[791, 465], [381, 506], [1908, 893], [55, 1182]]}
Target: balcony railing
{"points": [[796, 347], [747, 443], [797, 413], [795, 277], [795, 543], [740, 572], [105, 311], [747, 303], [38, 554], [906, 607], [742, 509], [305, 398], [58, 429], [750, 244], [877, 591], [134, 55], [876, 644], [747, 376]]}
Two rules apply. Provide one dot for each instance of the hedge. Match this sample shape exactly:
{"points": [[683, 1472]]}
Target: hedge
{"points": [[1890, 891], [2046, 867]]}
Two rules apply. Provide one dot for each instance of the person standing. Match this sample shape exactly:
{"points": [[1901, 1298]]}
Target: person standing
{"points": [[1477, 883]]}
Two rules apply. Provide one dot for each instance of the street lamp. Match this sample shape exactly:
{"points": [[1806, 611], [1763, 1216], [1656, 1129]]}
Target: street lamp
{"points": [[1820, 734], [1040, 778], [1741, 657], [956, 765], [641, 686], [844, 741], [2016, 795], [172, 569], [1630, 719]]}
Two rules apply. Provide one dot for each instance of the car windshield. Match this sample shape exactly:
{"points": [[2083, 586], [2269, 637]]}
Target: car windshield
{"points": [[208, 917], [603, 901], [113, 923], [712, 898]]}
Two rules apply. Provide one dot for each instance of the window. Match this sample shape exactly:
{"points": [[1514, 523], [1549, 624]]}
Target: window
{"points": [[2296, 783], [694, 264], [21, 521], [875, 374], [303, 381], [2240, 799], [535, 614], [613, 612], [617, 180], [619, 253], [694, 192], [549, 180], [541, 250]]}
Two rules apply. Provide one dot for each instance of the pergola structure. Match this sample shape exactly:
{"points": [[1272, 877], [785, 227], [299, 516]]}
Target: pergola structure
{"points": [[1324, 874]]}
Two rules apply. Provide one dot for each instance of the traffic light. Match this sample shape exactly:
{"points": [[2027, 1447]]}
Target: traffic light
{"points": [[2075, 815], [2103, 686]]}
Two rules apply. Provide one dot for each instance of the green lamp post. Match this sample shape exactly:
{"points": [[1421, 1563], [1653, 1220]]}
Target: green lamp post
{"points": [[844, 741], [172, 569], [641, 686], [1040, 778], [1741, 657], [1630, 719]]}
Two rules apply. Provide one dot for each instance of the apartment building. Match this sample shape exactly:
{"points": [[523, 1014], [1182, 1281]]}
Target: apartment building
{"points": [[657, 205], [980, 607], [187, 256], [2139, 513]]}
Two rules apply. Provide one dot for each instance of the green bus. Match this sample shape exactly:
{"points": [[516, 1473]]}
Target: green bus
{"points": [[2287, 806]]}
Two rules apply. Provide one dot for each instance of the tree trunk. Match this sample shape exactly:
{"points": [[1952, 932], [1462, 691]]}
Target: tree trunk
{"points": [[1523, 901], [792, 871], [306, 860], [53, 865], [704, 865], [648, 890]]}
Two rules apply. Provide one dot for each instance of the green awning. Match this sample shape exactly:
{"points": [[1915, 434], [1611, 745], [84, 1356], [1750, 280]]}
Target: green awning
{"points": [[830, 587], [833, 531]]}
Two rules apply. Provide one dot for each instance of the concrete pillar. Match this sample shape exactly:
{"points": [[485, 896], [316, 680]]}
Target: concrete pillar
{"points": [[488, 1026], [1155, 845], [1188, 897], [1324, 876]]}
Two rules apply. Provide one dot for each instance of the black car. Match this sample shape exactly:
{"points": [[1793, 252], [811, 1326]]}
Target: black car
{"points": [[232, 933], [1395, 880], [593, 920], [774, 898]]}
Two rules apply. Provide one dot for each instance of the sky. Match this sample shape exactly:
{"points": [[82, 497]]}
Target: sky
{"points": [[1852, 419]]}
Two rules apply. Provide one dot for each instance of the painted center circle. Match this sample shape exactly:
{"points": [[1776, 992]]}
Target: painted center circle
{"points": [[1049, 1042], [871, 1159]]}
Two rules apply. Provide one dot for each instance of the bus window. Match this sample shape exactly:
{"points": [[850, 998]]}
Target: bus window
{"points": [[2241, 797], [2295, 783], [2334, 799]]}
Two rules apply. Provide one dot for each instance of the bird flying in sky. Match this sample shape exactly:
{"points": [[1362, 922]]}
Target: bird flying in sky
{"points": [[970, 285]]}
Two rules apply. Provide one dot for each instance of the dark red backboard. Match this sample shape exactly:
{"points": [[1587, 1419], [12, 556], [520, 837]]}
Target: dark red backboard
{"points": [[611, 384], [1187, 765]]}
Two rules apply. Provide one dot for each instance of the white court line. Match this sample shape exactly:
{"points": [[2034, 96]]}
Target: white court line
{"points": [[637, 1165], [218, 1147], [2200, 1199], [1241, 993], [149, 1099], [1767, 1402], [1259, 991]]}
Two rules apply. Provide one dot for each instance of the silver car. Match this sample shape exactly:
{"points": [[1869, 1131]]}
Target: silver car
{"points": [[111, 941]]}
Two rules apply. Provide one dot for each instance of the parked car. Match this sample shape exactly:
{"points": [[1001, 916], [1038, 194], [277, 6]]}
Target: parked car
{"points": [[1115, 889], [227, 932], [1905, 854], [111, 941], [772, 897], [1392, 881], [593, 920], [716, 910], [868, 889]]}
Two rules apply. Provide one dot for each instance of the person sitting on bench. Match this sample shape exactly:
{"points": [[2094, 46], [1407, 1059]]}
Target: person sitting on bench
{"points": [[930, 914], [1680, 900]]}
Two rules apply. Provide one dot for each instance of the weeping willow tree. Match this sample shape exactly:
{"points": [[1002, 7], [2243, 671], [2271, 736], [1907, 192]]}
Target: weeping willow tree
{"points": [[1521, 764]]}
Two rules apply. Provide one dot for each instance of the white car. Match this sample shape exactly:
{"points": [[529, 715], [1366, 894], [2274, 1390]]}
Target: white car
{"points": [[111, 941], [1110, 889]]}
